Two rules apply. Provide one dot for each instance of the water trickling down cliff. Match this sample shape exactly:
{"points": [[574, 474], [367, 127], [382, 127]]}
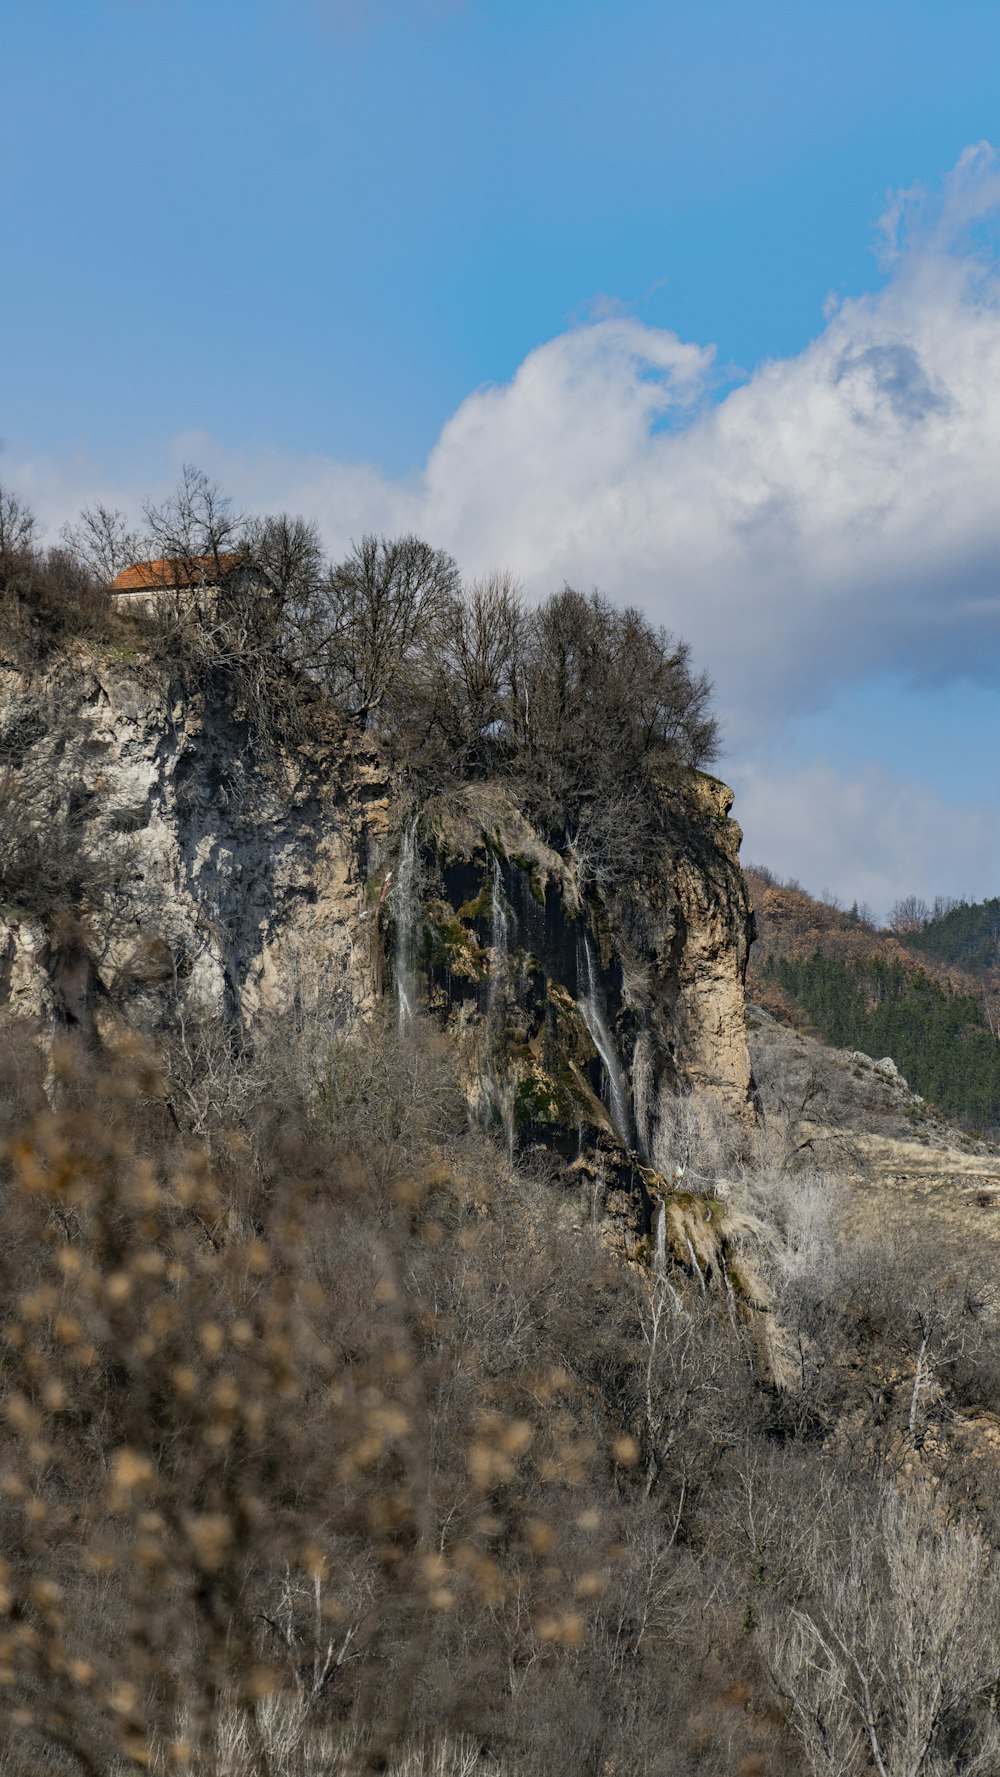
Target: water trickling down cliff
{"points": [[579, 1016], [219, 888]]}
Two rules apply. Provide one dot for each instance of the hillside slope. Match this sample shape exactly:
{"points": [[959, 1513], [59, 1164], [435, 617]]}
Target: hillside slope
{"points": [[207, 886], [417, 1357], [863, 989], [967, 936]]}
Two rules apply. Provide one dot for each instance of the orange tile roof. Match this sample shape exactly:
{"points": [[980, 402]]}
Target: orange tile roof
{"points": [[200, 570]]}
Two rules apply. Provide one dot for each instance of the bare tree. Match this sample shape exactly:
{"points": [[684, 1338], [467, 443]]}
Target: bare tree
{"points": [[103, 539], [378, 609], [18, 524], [608, 711], [195, 524], [487, 641], [891, 1660], [671, 705], [864, 914], [598, 677], [287, 555], [909, 914]]}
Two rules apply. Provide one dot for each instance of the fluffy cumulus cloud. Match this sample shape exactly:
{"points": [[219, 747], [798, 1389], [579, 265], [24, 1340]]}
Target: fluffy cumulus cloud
{"points": [[836, 514], [833, 515]]}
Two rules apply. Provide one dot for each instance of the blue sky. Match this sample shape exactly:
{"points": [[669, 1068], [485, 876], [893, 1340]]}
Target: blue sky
{"points": [[422, 261]]}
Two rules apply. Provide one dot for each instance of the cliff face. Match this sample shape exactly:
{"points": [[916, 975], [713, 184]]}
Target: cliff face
{"points": [[208, 886], [590, 1007]]}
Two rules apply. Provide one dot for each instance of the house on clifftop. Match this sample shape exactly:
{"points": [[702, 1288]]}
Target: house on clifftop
{"points": [[189, 580]]}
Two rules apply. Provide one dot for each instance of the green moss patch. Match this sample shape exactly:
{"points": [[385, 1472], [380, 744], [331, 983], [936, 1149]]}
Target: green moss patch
{"points": [[448, 946]]}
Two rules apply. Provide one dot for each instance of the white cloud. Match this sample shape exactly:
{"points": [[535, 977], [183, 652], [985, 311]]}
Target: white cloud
{"points": [[868, 837], [836, 515]]}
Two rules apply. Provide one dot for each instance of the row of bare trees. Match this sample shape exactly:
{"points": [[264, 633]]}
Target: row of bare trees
{"points": [[586, 705]]}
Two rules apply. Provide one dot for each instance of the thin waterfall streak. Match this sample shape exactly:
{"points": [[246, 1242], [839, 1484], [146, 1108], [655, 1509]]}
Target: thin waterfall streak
{"points": [[500, 942], [594, 1019], [504, 1102], [730, 1295], [595, 1201], [405, 897], [660, 1254], [642, 1080], [498, 1086], [496, 1096], [697, 1268]]}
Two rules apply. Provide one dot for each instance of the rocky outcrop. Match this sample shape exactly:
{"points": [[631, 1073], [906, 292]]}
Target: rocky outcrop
{"points": [[209, 883], [206, 883], [600, 1004]]}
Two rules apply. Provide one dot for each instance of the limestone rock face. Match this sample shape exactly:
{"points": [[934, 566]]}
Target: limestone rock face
{"points": [[713, 931], [24, 982], [582, 1008], [206, 884]]}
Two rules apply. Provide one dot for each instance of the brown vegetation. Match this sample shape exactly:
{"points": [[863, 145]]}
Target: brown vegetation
{"points": [[332, 1443], [792, 923], [335, 1440]]}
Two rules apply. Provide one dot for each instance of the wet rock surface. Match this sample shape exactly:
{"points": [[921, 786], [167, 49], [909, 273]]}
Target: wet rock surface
{"points": [[217, 886]]}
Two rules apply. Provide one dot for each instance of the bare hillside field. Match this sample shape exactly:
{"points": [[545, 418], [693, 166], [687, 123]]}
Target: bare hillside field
{"points": [[855, 1115]]}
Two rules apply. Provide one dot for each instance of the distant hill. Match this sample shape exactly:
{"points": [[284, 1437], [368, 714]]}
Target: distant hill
{"points": [[968, 936], [925, 999]]}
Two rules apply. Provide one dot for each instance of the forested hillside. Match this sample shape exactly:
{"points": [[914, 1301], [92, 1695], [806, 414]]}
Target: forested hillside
{"points": [[938, 1038], [967, 935], [923, 996]]}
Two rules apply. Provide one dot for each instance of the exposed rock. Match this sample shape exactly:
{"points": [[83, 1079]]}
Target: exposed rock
{"points": [[215, 886], [222, 888], [602, 1005], [24, 983], [840, 1111]]}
